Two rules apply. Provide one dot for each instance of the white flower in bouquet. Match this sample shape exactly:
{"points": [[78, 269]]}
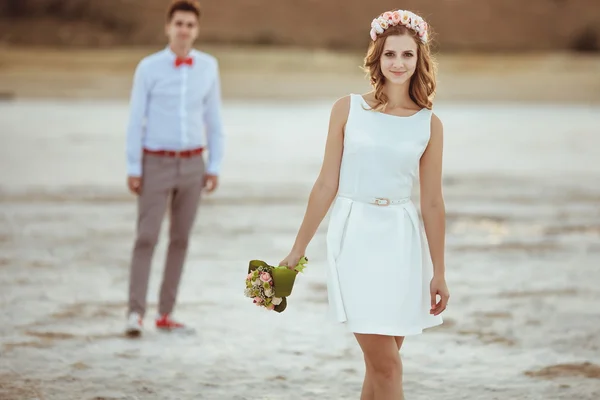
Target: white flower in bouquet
{"points": [[276, 300], [256, 282], [268, 292], [248, 292]]}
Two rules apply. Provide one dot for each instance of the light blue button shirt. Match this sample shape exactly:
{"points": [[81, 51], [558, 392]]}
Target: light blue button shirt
{"points": [[175, 108]]}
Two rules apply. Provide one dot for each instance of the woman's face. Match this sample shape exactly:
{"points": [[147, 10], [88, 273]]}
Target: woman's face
{"points": [[399, 59]]}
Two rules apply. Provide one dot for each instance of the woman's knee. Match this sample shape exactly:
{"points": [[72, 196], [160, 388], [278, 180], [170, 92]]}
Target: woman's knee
{"points": [[388, 367], [381, 356]]}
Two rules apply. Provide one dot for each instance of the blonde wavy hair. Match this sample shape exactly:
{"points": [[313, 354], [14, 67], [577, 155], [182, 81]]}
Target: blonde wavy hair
{"points": [[422, 83]]}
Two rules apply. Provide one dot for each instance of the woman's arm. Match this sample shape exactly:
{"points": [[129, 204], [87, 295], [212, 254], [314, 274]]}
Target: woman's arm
{"points": [[433, 211], [326, 185]]}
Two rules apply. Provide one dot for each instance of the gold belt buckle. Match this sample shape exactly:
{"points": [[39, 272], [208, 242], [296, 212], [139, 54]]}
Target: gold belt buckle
{"points": [[382, 201]]}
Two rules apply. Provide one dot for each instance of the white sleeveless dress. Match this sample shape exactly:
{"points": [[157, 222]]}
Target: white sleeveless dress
{"points": [[379, 262]]}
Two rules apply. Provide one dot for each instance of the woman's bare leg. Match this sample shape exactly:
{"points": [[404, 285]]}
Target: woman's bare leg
{"points": [[368, 390]]}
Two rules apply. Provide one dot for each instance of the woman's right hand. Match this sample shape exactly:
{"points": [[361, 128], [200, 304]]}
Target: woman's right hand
{"points": [[292, 260]]}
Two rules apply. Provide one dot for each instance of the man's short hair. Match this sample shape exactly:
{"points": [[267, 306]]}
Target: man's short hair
{"points": [[183, 5]]}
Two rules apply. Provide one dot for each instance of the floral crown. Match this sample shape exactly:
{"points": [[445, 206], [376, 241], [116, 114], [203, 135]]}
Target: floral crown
{"points": [[399, 17]]}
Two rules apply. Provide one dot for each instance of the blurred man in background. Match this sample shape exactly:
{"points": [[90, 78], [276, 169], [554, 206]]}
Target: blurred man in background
{"points": [[175, 115]]}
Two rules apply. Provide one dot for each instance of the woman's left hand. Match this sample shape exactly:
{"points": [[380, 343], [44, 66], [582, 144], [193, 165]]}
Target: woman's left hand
{"points": [[438, 287]]}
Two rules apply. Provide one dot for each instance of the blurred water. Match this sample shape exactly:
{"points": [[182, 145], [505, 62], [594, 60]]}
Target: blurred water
{"points": [[64, 143]]}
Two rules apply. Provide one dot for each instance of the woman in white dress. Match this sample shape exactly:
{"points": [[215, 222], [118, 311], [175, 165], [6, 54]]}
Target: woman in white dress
{"points": [[386, 275]]}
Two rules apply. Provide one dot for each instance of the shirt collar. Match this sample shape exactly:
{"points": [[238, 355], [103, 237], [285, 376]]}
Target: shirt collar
{"points": [[172, 56]]}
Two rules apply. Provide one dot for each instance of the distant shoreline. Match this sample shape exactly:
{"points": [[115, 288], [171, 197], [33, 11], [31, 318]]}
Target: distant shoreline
{"points": [[291, 73]]}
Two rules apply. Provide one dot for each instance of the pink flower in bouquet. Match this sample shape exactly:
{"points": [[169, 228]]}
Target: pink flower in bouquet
{"points": [[271, 307], [265, 277], [249, 277], [258, 300]]}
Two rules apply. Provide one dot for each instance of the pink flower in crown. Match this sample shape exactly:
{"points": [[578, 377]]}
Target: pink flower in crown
{"points": [[422, 29], [387, 15], [265, 277], [373, 34], [404, 17]]}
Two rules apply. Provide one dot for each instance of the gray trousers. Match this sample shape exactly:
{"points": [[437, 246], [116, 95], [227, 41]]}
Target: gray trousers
{"points": [[168, 183]]}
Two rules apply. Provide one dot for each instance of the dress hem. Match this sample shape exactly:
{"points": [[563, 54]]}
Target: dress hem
{"points": [[390, 331]]}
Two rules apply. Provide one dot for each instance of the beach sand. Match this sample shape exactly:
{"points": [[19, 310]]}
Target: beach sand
{"points": [[521, 183]]}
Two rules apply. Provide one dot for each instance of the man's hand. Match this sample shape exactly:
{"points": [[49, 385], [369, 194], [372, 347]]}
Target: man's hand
{"points": [[211, 182], [135, 184]]}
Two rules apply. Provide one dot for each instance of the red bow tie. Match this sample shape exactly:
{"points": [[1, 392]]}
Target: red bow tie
{"points": [[180, 61]]}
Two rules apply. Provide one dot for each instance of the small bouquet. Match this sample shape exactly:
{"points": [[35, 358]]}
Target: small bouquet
{"points": [[269, 285]]}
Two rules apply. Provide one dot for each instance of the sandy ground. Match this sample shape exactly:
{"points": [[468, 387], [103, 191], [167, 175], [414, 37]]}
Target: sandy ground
{"points": [[522, 193]]}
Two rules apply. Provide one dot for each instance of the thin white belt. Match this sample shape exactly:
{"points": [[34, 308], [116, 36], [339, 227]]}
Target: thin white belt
{"points": [[378, 201]]}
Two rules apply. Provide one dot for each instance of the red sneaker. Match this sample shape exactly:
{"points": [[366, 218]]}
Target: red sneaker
{"points": [[165, 322]]}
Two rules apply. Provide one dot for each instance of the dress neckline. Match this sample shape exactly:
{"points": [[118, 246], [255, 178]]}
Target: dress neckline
{"points": [[362, 99]]}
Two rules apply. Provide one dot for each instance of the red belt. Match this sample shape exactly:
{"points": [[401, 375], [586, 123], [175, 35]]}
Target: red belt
{"points": [[175, 153]]}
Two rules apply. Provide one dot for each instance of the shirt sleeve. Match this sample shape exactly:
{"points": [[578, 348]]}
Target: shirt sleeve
{"points": [[214, 125], [138, 107]]}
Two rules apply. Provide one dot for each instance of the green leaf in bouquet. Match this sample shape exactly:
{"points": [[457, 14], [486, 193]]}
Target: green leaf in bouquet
{"points": [[301, 264], [281, 306], [254, 264]]}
